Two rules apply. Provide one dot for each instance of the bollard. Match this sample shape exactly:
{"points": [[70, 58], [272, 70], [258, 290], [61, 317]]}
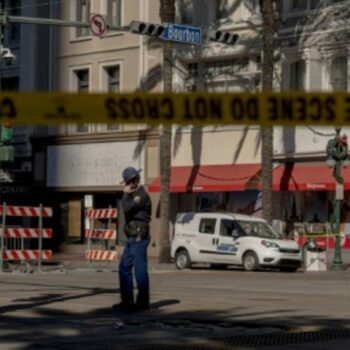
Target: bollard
{"points": [[109, 227], [40, 235], [89, 243]]}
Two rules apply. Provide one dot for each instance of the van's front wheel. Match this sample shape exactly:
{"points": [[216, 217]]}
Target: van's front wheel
{"points": [[182, 260], [250, 261]]}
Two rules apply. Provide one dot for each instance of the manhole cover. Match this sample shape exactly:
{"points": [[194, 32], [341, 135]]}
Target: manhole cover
{"points": [[254, 341]]}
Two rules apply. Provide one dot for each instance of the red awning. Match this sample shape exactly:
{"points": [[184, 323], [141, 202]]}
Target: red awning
{"points": [[209, 178], [303, 177]]}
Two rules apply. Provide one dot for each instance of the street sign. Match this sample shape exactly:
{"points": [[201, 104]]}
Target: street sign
{"points": [[182, 34], [98, 25], [7, 153]]}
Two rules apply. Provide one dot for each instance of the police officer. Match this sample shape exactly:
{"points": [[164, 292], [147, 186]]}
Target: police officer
{"points": [[137, 208]]}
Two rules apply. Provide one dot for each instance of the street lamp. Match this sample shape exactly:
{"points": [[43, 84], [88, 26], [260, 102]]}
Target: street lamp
{"points": [[337, 156]]}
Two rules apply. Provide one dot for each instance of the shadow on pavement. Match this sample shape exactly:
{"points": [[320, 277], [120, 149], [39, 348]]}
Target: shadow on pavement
{"points": [[104, 328], [46, 299]]}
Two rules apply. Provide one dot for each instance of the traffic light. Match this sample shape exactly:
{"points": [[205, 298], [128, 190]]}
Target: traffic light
{"points": [[223, 37], [6, 132], [144, 28]]}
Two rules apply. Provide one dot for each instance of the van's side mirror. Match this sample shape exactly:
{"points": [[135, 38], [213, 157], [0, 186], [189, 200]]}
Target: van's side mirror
{"points": [[235, 234]]}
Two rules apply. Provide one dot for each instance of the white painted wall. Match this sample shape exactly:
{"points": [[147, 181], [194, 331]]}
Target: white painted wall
{"points": [[99, 164]]}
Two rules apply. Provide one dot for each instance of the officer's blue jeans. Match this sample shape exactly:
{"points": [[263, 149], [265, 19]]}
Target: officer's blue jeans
{"points": [[134, 257]]}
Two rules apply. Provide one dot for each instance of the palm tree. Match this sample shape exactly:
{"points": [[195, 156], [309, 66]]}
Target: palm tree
{"points": [[267, 11], [167, 15]]}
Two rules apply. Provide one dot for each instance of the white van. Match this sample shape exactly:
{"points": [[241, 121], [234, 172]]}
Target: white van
{"points": [[231, 239]]}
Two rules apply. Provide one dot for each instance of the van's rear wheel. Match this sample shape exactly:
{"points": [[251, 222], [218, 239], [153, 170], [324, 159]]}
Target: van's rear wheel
{"points": [[182, 260], [250, 261]]}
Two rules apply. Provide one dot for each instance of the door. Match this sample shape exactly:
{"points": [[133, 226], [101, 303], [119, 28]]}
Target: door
{"points": [[227, 246], [205, 241]]}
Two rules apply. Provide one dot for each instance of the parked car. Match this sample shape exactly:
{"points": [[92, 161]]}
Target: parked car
{"points": [[231, 239]]}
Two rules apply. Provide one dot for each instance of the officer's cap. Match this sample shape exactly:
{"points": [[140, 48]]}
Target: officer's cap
{"points": [[129, 174]]}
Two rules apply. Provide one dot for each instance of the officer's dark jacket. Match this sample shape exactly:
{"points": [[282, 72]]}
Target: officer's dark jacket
{"points": [[137, 206]]}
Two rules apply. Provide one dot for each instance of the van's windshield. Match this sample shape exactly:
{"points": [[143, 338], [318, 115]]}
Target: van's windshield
{"points": [[258, 229]]}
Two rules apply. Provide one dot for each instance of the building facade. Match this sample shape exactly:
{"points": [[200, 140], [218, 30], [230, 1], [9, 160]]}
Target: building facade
{"points": [[314, 56], [80, 166], [216, 167], [31, 69]]}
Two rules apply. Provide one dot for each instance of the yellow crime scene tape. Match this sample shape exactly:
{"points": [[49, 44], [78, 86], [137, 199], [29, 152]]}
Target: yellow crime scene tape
{"points": [[264, 109]]}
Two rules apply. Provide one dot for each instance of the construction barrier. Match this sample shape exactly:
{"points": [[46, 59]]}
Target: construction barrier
{"points": [[14, 240], [102, 237]]}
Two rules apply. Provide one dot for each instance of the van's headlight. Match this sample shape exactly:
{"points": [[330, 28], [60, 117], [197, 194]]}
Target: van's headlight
{"points": [[269, 244]]}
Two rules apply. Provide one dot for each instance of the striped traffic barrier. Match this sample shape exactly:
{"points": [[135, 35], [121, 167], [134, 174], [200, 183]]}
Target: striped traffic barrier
{"points": [[26, 211], [27, 233], [99, 255], [27, 255], [17, 235], [103, 236], [102, 213]]}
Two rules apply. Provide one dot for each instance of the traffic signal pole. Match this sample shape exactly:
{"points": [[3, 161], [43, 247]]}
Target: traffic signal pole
{"points": [[54, 22]]}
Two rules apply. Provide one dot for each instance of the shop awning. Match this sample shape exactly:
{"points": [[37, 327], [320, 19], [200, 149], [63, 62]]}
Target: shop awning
{"points": [[209, 178], [303, 177]]}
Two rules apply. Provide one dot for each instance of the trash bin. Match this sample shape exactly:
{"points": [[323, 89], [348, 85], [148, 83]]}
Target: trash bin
{"points": [[315, 259]]}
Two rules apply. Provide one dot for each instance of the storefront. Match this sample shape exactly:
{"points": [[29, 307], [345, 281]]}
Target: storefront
{"points": [[211, 188], [303, 193], [78, 174]]}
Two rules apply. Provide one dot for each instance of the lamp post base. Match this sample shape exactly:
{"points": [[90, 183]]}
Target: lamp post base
{"points": [[338, 266]]}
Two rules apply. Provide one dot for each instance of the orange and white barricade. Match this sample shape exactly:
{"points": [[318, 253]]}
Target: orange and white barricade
{"points": [[102, 237], [13, 239]]}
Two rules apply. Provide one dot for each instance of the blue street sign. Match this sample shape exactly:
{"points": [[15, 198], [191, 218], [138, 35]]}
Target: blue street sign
{"points": [[182, 34]]}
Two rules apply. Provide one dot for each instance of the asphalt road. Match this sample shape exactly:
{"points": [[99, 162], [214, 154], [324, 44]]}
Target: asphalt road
{"points": [[72, 310]]}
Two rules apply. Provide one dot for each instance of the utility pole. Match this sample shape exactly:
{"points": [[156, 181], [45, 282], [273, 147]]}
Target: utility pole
{"points": [[167, 15], [268, 16]]}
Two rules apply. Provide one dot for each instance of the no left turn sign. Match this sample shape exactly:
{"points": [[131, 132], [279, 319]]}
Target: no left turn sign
{"points": [[98, 25]]}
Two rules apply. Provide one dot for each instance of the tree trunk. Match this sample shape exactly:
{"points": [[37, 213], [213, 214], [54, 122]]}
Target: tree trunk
{"points": [[167, 15], [267, 11]]}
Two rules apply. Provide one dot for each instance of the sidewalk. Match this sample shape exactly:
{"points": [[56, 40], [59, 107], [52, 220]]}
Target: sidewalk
{"points": [[78, 261], [68, 262]]}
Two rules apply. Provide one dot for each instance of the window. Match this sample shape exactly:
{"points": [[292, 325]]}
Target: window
{"points": [[10, 84], [258, 229], [83, 80], [299, 5], [251, 8], [82, 86], [303, 5], [297, 75], [227, 227], [186, 11], [83, 15], [222, 9], [113, 78], [114, 11], [14, 29], [339, 74], [113, 85], [207, 226]]}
